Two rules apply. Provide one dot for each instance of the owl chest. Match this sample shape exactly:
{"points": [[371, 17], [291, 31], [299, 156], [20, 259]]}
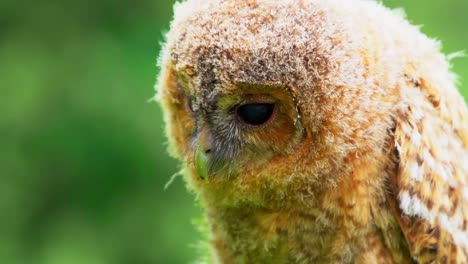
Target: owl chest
{"points": [[264, 236], [298, 238]]}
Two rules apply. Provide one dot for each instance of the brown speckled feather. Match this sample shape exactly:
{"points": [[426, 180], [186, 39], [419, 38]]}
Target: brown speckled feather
{"points": [[432, 177]]}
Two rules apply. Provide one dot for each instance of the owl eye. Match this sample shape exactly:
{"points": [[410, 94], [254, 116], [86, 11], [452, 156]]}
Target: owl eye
{"points": [[190, 105], [255, 114]]}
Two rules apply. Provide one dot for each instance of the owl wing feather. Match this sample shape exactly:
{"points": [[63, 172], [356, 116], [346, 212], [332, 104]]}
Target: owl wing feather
{"points": [[430, 183]]}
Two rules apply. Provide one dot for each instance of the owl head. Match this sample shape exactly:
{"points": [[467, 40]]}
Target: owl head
{"points": [[265, 95]]}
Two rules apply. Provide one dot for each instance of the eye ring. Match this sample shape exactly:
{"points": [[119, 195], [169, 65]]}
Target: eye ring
{"points": [[256, 114]]}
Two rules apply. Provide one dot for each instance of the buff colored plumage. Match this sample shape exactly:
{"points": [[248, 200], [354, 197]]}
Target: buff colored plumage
{"points": [[364, 157]]}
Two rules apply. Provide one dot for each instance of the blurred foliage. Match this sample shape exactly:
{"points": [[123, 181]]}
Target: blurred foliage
{"points": [[83, 161]]}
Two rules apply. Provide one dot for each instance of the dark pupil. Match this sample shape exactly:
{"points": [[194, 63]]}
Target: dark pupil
{"points": [[255, 114]]}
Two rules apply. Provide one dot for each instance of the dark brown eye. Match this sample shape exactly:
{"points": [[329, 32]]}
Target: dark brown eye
{"points": [[190, 105], [255, 114]]}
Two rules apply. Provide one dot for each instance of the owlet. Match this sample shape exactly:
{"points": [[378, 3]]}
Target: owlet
{"points": [[317, 131]]}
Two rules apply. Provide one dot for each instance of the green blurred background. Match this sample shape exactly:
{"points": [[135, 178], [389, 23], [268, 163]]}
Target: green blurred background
{"points": [[82, 160]]}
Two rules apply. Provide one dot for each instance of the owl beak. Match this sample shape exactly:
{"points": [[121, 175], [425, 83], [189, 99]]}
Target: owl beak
{"points": [[203, 154]]}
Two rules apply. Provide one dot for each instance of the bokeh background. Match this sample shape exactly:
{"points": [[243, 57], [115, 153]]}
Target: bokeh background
{"points": [[82, 152]]}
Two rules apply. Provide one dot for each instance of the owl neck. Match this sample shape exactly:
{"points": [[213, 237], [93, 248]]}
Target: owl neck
{"points": [[336, 223]]}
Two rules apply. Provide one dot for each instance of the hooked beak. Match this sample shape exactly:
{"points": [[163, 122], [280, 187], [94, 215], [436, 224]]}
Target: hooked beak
{"points": [[203, 154]]}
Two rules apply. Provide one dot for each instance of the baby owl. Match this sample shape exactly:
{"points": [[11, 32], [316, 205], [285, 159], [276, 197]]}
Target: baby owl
{"points": [[317, 131]]}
